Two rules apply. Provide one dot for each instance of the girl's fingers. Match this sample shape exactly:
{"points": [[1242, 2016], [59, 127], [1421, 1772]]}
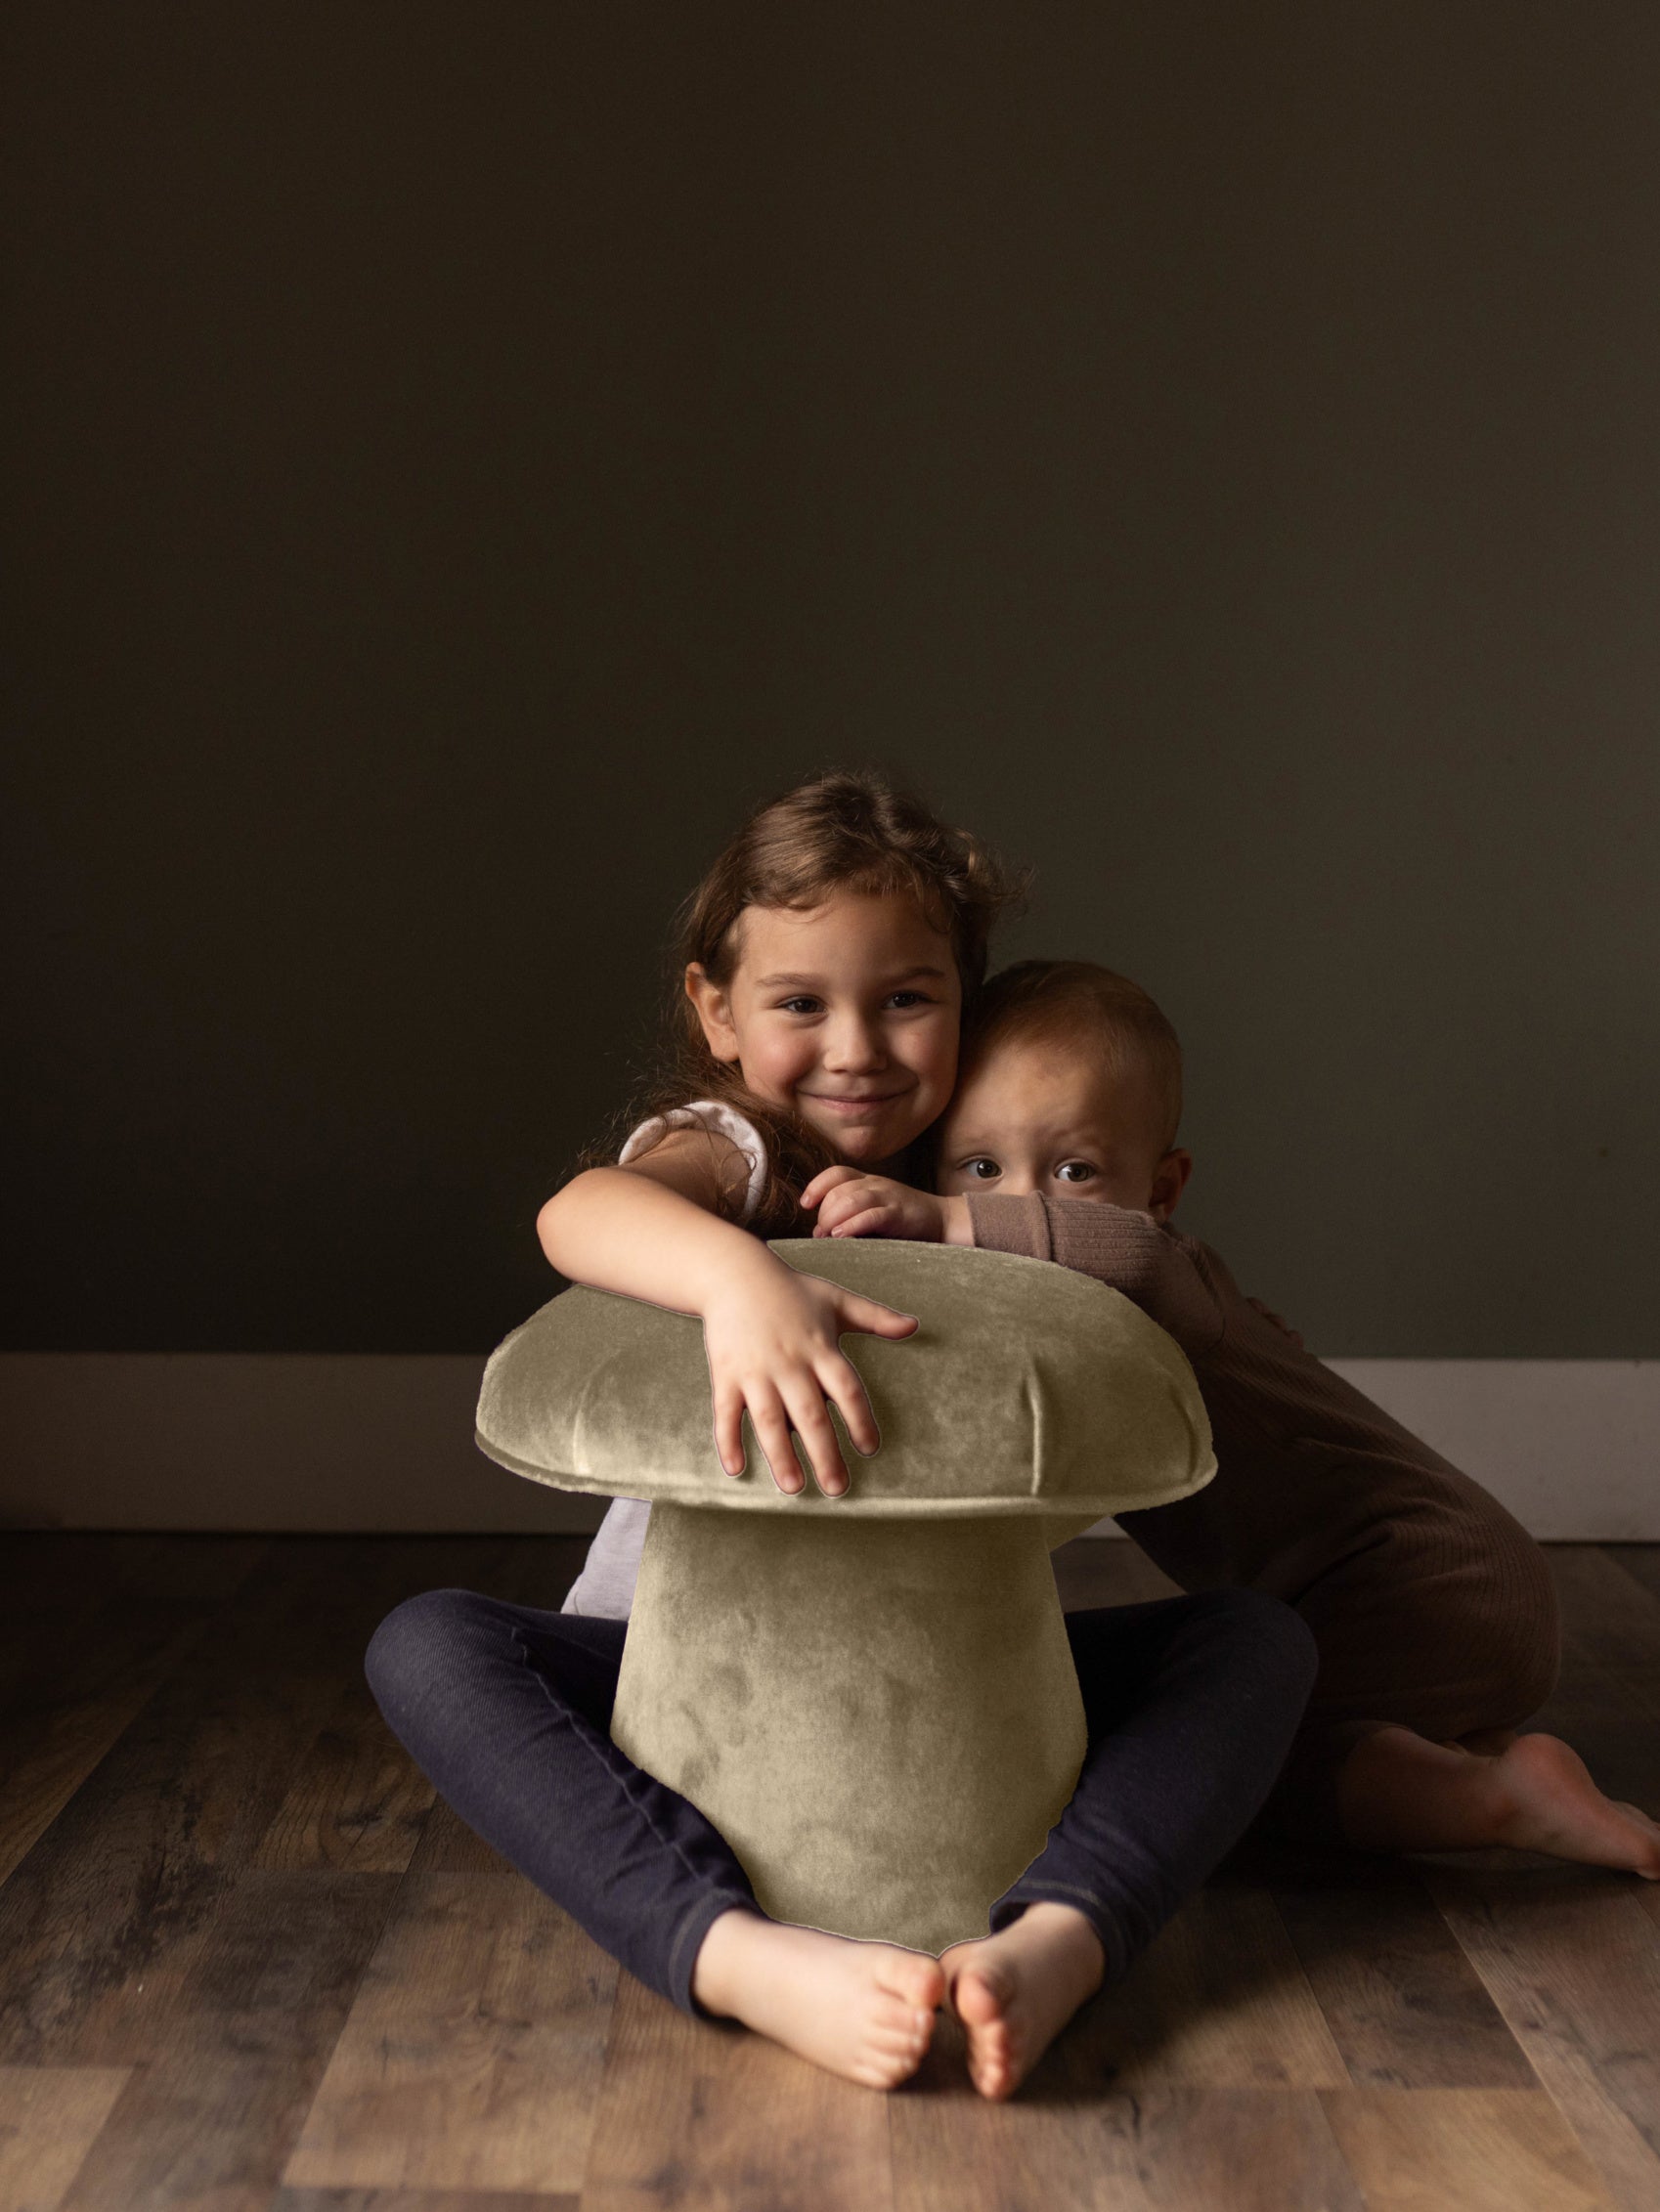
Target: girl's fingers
{"points": [[773, 1432], [786, 1468], [729, 1434], [846, 1385], [869, 1319], [813, 1426]]}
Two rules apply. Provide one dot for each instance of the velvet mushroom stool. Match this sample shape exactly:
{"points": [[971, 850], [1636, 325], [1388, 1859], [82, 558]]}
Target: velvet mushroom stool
{"points": [[871, 1695]]}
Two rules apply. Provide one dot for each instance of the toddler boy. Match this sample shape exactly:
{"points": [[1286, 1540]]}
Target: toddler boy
{"points": [[1433, 1607]]}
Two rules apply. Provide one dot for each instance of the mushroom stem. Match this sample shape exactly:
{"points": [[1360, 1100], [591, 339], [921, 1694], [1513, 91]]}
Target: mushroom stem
{"points": [[879, 1715]]}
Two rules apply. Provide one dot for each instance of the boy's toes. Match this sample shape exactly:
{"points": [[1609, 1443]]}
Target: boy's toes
{"points": [[1646, 1862]]}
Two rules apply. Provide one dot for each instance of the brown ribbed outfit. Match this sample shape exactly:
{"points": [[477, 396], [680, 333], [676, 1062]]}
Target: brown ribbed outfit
{"points": [[1431, 1605]]}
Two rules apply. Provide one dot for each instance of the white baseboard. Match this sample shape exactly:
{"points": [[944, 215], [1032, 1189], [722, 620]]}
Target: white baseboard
{"points": [[368, 1442]]}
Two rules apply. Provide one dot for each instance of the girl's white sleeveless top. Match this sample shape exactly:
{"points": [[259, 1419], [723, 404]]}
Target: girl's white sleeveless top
{"points": [[605, 1587]]}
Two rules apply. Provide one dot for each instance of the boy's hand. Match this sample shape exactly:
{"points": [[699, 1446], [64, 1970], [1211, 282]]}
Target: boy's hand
{"points": [[851, 1203]]}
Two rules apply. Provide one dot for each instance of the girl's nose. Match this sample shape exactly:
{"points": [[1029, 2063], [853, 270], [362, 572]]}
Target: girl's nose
{"points": [[852, 1044]]}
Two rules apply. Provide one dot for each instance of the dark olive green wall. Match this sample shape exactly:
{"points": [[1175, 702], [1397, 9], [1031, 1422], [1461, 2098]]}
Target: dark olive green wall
{"points": [[460, 456]]}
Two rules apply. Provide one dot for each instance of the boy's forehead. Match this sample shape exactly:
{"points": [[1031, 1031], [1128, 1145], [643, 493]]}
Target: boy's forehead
{"points": [[1044, 1089]]}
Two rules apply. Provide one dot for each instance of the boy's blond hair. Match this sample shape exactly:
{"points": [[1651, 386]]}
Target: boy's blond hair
{"points": [[1079, 1007]]}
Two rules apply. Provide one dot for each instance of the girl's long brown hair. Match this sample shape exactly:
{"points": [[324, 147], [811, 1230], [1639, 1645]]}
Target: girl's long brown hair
{"points": [[846, 831]]}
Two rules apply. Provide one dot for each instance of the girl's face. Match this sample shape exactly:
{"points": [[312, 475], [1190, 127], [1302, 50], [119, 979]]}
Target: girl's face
{"points": [[847, 1012]]}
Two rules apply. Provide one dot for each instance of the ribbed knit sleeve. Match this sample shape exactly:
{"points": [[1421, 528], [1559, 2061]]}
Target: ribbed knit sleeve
{"points": [[1126, 1250]]}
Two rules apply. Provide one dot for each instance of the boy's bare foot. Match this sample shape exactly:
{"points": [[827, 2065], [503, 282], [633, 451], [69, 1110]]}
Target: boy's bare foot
{"points": [[1016, 1990], [1398, 1792], [1556, 1806], [865, 2011]]}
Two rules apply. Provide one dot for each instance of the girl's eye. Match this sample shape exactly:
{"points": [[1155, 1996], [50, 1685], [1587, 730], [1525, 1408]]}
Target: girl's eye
{"points": [[973, 1166], [789, 1005], [1085, 1171]]}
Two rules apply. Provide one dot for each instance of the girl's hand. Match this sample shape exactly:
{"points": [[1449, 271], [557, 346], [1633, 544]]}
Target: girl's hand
{"points": [[770, 1337], [851, 1203]]}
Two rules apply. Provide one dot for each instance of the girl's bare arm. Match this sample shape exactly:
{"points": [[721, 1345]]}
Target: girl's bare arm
{"points": [[771, 1334], [651, 1229]]}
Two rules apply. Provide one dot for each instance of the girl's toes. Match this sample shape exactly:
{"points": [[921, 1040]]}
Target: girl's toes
{"points": [[980, 1997], [993, 2078], [888, 2064], [919, 1982]]}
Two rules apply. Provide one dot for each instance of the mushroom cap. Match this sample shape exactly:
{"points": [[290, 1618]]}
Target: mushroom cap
{"points": [[1026, 1389]]}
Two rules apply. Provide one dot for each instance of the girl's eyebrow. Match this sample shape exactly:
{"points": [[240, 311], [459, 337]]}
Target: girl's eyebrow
{"points": [[767, 982]]}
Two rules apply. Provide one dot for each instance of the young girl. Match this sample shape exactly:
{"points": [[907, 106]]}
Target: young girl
{"points": [[825, 961], [1433, 1607]]}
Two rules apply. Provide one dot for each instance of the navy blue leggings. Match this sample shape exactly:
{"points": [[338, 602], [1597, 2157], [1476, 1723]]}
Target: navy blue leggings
{"points": [[1191, 1702]]}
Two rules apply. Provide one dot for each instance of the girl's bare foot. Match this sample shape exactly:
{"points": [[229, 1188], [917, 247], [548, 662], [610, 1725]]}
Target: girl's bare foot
{"points": [[865, 2011], [1398, 1792], [1016, 1990]]}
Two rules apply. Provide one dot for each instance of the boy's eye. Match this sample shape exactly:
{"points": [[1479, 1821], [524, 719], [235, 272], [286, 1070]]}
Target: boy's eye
{"points": [[1084, 1171], [973, 1166]]}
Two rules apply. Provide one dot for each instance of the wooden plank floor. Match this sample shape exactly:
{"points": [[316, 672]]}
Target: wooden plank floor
{"points": [[247, 1964]]}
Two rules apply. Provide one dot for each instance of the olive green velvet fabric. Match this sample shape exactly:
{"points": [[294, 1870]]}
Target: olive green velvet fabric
{"points": [[871, 1695], [880, 1716], [1025, 1390]]}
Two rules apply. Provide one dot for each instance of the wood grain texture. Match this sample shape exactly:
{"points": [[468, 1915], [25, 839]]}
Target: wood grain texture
{"points": [[1475, 2150], [78, 1671], [1234, 2150], [421, 2200], [472, 2056], [1219, 2001], [186, 1952], [952, 2152], [1572, 1960], [357, 1801], [1405, 2007], [133, 1869], [1161, 2150], [699, 2117], [53, 1583], [49, 2119], [448, 1846], [233, 2058]]}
